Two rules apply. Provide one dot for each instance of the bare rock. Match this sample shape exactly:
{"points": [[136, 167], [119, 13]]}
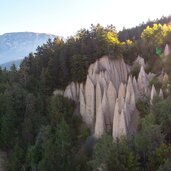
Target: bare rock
{"points": [[107, 99], [58, 92], [98, 97], [99, 125], [130, 94], [112, 95], [121, 93], [115, 132], [140, 61], [161, 94], [82, 104], [136, 90], [153, 94], [68, 92], [143, 82], [90, 102], [166, 50], [119, 123], [106, 112]]}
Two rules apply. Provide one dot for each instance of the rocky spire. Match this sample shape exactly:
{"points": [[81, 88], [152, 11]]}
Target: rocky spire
{"points": [[90, 102], [108, 96], [136, 91], [82, 103], [143, 82], [98, 96], [68, 93], [115, 132], [106, 112], [153, 94], [166, 50], [119, 122], [112, 95], [161, 94], [140, 61], [121, 93], [99, 125]]}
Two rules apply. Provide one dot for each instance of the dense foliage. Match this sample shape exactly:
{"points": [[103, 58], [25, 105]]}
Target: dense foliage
{"points": [[41, 132], [68, 59], [135, 32]]}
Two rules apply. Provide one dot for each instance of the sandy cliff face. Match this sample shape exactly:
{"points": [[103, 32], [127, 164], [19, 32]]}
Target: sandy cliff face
{"points": [[108, 97]]}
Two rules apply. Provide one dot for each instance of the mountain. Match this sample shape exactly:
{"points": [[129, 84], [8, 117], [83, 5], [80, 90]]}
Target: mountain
{"points": [[8, 65], [17, 45]]}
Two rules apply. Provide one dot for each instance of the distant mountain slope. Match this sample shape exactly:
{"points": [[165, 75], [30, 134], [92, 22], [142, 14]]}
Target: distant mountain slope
{"points": [[9, 64], [14, 46]]}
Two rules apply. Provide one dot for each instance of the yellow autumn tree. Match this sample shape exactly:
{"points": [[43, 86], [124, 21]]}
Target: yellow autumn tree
{"points": [[112, 37], [156, 34]]}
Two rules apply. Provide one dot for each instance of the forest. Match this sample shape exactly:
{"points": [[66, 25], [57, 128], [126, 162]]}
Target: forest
{"points": [[40, 131]]}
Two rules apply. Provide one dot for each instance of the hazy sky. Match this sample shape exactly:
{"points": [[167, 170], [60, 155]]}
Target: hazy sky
{"points": [[66, 17]]}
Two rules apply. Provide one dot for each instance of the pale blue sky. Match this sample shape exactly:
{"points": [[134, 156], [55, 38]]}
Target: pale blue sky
{"points": [[66, 17]]}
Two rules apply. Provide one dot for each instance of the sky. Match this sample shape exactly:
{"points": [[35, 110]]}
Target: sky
{"points": [[66, 17]]}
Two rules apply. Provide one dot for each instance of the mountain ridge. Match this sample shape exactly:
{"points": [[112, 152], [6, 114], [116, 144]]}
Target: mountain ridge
{"points": [[17, 45]]}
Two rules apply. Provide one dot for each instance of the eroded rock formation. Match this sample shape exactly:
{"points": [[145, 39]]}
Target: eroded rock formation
{"points": [[108, 98], [140, 61], [166, 50], [153, 94]]}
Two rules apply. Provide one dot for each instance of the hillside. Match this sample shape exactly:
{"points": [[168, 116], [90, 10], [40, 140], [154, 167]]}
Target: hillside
{"points": [[14, 46], [9, 64], [91, 102]]}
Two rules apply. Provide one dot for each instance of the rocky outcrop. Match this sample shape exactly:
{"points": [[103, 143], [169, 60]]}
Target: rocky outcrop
{"points": [[140, 61], [58, 92], [153, 94], [119, 122], [161, 94], [143, 82], [112, 95], [90, 102], [166, 50], [71, 91], [99, 125], [107, 100]]}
